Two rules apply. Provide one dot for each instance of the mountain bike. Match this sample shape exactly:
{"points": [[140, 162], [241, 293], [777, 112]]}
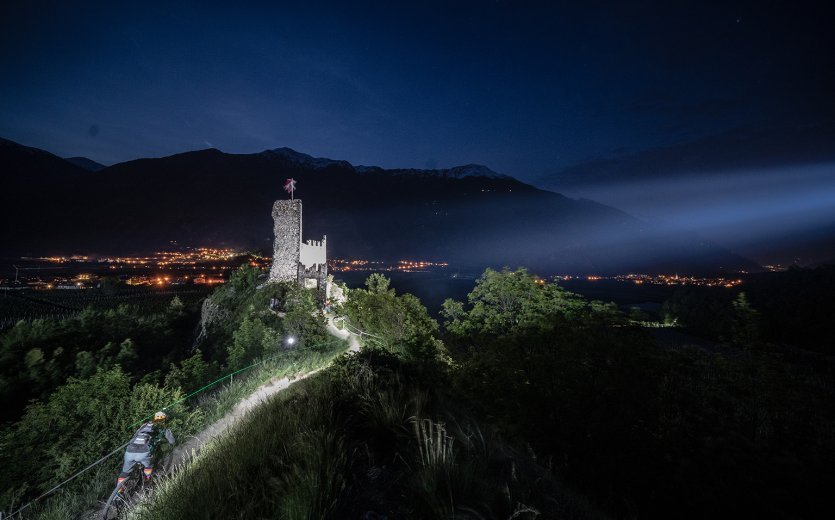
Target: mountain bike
{"points": [[126, 493], [134, 488]]}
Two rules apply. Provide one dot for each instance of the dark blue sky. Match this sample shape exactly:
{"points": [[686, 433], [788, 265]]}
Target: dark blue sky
{"points": [[523, 87]]}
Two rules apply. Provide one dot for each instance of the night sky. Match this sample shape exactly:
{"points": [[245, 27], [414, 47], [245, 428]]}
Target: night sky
{"points": [[527, 88], [521, 87]]}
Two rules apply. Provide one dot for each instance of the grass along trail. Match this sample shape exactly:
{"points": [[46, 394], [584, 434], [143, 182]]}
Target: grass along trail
{"points": [[186, 451]]}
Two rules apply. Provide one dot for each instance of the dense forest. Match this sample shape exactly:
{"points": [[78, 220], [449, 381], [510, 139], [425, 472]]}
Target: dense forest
{"points": [[37, 356]]}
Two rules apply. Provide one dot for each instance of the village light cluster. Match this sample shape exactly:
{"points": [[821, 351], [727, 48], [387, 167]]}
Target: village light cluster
{"points": [[665, 279], [203, 265], [210, 266], [407, 266], [159, 258], [659, 279]]}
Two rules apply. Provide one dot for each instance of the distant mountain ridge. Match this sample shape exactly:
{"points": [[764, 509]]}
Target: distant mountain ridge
{"points": [[737, 149], [456, 172], [303, 159], [756, 188], [87, 164], [318, 163], [22, 164], [468, 215]]}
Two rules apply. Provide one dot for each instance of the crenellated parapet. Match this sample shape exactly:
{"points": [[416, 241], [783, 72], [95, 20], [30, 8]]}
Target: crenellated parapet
{"points": [[313, 252]]}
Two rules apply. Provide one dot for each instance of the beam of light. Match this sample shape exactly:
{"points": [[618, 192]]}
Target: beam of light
{"points": [[733, 208]]}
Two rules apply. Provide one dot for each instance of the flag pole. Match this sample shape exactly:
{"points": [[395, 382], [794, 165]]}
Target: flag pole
{"points": [[290, 187]]}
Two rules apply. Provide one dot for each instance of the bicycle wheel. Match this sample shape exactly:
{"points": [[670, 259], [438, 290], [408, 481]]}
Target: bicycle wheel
{"points": [[124, 494], [113, 506]]}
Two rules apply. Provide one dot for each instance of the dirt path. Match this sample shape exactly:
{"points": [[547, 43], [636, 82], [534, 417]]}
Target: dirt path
{"points": [[185, 451], [188, 449], [353, 341]]}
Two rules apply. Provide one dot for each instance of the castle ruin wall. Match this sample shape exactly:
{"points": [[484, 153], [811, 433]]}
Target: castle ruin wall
{"points": [[287, 226]]}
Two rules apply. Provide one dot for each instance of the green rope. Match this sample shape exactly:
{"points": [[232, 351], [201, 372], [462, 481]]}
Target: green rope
{"points": [[192, 394], [201, 389]]}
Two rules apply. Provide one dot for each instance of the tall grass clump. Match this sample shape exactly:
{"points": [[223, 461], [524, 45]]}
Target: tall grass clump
{"points": [[73, 500]]}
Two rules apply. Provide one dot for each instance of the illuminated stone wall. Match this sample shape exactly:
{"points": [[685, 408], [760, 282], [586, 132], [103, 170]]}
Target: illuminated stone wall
{"points": [[287, 226], [294, 261]]}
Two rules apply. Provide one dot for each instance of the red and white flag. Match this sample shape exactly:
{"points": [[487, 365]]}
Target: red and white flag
{"points": [[290, 186]]}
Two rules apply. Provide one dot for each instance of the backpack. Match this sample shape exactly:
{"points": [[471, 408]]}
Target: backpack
{"points": [[143, 440]]}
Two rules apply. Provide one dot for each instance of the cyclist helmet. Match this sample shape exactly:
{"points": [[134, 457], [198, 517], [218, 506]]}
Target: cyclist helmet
{"points": [[160, 417]]}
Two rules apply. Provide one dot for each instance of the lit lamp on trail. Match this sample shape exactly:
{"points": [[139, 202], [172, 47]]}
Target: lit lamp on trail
{"points": [[291, 340]]}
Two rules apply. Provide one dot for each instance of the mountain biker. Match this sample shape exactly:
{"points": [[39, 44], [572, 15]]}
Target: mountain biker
{"points": [[142, 446]]}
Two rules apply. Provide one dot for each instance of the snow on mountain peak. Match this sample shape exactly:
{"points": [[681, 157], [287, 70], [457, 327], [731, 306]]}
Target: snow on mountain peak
{"points": [[317, 163], [303, 159], [473, 170]]}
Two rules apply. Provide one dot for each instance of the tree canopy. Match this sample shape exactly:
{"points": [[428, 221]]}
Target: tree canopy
{"points": [[400, 324], [505, 302]]}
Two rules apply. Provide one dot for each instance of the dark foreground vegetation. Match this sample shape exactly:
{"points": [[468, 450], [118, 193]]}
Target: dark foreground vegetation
{"points": [[39, 355], [96, 375], [645, 431], [537, 403], [372, 437], [792, 308], [527, 401], [30, 304]]}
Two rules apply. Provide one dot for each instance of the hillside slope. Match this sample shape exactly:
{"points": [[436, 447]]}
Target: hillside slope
{"points": [[365, 439]]}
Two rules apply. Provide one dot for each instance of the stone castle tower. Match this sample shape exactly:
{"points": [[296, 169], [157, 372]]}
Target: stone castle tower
{"points": [[305, 263]]}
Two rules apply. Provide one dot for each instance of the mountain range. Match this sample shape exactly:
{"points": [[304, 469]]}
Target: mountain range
{"points": [[767, 192], [469, 216], [739, 149]]}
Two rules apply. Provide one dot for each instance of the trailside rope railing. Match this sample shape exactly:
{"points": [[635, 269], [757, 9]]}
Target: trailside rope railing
{"points": [[203, 389], [70, 479], [94, 464], [359, 332], [188, 396]]}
